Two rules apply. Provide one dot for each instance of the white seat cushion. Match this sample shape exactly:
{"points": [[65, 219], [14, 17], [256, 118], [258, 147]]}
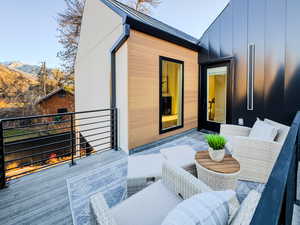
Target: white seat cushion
{"points": [[263, 131], [247, 209], [144, 166], [181, 155], [208, 208], [148, 207]]}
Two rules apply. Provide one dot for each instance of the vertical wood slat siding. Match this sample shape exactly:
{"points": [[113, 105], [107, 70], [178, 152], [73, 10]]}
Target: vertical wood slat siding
{"points": [[273, 26], [143, 87]]}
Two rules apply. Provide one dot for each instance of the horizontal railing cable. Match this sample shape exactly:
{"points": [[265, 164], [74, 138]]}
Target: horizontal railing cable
{"points": [[35, 143]]}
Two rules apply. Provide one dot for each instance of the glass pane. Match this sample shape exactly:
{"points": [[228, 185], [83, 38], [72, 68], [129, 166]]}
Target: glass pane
{"points": [[216, 94], [171, 94]]}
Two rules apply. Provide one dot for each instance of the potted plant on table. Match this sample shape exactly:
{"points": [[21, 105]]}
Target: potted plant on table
{"points": [[216, 145]]}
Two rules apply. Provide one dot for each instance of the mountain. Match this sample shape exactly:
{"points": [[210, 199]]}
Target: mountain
{"points": [[9, 77], [22, 67]]}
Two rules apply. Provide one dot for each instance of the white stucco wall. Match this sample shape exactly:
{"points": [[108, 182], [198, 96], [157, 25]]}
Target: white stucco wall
{"points": [[122, 95], [101, 27]]}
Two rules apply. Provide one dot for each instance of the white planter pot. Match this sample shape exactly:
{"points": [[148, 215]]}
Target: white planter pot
{"points": [[216, 155]]}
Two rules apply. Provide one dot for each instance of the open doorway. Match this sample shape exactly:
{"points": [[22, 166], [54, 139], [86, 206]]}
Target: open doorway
{"points": [[215, 94]]}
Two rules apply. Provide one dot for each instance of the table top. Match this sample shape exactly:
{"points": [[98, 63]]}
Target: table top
{"points": [[227, 166]]}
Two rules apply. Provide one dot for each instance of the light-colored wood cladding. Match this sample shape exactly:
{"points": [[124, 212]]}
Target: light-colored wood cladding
{"points": [[143, 87]]}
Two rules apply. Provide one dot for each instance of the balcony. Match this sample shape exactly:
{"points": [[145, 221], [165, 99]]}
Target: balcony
{"points": [[54, 187]]}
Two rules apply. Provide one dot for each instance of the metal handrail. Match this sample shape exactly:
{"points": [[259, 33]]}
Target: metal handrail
{"points": [[70, 138], [279, 196]]}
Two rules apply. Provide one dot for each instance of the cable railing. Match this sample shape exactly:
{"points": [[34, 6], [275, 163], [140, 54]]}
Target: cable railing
{"points": [[30, 144], [280, 194]]}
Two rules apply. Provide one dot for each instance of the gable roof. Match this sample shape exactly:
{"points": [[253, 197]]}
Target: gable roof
{"points": [[51, 94], [148, 24]]}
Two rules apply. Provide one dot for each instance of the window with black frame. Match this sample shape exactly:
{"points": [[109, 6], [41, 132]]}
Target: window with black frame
{"points": [[171, 94]]}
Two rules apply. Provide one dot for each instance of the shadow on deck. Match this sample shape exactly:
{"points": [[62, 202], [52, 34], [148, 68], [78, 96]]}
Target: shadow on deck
{"points": [[42, 198]]}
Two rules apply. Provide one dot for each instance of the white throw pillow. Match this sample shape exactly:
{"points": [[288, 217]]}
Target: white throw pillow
{"points": [[263, 131], [208, 208]]}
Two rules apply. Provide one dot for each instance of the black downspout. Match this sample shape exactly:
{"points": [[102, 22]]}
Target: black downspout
{"points": [[114, 49]]}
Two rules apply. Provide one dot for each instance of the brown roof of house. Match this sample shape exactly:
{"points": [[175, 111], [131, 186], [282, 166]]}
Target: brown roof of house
{"points": [[51, 94]]}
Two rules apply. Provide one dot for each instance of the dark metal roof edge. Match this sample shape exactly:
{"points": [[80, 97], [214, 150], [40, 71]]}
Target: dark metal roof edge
{"points": [[153, 31], [114, 8], [199, 41], [217, 60]]}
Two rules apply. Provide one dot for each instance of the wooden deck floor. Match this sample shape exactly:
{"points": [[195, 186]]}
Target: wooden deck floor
{"points": [[42, 198]]}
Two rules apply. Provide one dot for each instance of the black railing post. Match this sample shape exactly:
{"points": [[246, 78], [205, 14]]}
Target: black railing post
{"points": [[2, 158], [115, 129], [73, 146]]}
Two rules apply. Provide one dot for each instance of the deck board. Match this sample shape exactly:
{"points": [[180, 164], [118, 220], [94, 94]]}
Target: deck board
{"points": [[42, 198]]}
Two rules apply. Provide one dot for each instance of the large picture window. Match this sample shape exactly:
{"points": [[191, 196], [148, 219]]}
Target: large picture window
{"points": [[171, 94]]}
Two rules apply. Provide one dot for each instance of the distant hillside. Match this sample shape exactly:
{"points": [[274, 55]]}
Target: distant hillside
{"points": [[19, 88], [14, 83], [19, 66]]}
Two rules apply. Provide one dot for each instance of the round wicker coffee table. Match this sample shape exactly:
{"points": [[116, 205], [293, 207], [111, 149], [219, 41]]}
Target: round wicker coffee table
{"points": [[218, 175]]}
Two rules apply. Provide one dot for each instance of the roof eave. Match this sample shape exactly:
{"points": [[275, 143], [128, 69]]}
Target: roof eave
{"points": [[153, 31]]}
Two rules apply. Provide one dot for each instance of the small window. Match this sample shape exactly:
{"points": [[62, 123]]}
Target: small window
{"points": [[62, 110], [62, 94]]}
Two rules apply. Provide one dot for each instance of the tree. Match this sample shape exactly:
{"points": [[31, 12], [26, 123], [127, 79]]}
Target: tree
{"points": [[144, 6], [43, 76], [69, 25]]}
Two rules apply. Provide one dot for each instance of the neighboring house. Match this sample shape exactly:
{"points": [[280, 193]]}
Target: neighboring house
{"points": [[164, 82], [58, 101]]}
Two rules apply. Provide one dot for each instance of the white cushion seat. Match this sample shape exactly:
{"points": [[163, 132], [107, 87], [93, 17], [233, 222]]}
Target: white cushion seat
{"points": [[142, 171], [152, 205], [255, 148], [182, 156], [147, 207]]}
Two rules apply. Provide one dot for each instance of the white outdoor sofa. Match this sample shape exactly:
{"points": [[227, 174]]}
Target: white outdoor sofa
{"points": [[144, 170], [151, 205], [256, 157]]}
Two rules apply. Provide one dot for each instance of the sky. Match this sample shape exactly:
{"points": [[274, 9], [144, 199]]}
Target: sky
{"points": [[29, 27]]}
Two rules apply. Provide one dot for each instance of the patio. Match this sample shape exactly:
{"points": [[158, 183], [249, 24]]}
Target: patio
{"points": [[43, 197]]}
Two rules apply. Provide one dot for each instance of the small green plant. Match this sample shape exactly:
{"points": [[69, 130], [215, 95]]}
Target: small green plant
{"points": [[216, 142]]}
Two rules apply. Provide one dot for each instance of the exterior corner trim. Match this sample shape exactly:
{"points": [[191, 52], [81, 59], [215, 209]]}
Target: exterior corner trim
{"points": [[117, 45]]}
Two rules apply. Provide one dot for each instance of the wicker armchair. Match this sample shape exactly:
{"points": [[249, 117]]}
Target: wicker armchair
{"points": [[155, 201], [256, 157]]}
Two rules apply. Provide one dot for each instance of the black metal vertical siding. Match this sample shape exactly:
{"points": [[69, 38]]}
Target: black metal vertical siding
{"points": [[256, 32], [275, 60], [292, 65], [273, 26]]}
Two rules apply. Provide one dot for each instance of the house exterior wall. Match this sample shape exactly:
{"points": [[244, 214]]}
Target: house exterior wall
{"points": [[122, 95], [55, 102], [143, 87], [101, 27], [273, 26]]}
